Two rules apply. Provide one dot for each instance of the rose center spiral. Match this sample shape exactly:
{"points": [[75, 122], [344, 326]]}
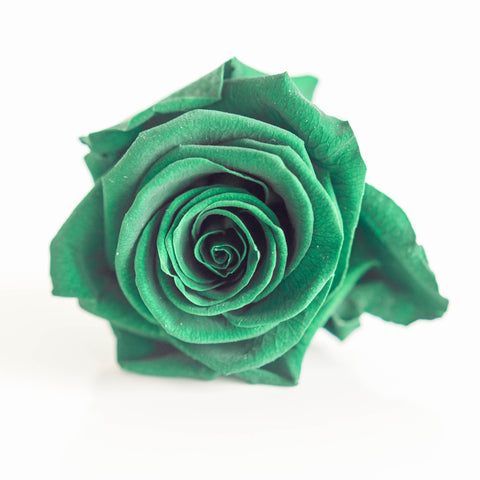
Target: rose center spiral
{"points": [[222, 251]]}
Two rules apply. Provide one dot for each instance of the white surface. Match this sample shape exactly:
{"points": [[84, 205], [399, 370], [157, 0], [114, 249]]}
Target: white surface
{"points": [[390, 402]]}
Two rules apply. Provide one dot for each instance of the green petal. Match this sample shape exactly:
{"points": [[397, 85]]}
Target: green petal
{"points": [[306, 84], [107, 146], [342, 326], [152, 357], [78, 265], [114, 307], [402, 288], [79, 269], [221, 252], [283, 372]]}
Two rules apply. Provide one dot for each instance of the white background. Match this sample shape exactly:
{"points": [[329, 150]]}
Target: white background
{"points": [[388, 403]]}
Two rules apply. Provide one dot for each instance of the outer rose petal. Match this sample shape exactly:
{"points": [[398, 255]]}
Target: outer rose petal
{"points": [[78, 264], [401, 288], [151, 357], [107, 146]]}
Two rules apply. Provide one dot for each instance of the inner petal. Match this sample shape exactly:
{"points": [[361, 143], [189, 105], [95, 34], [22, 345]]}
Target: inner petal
{"points": [[221, 250]]}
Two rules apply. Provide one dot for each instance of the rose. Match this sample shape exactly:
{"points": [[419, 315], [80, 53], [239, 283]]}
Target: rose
{"points": [[218, 236]]}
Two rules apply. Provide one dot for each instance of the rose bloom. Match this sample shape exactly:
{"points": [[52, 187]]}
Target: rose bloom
{"points": [[227, 224]]}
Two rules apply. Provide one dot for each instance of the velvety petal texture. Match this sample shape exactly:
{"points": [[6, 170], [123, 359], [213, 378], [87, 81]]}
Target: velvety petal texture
{"points": [[227, 224]]}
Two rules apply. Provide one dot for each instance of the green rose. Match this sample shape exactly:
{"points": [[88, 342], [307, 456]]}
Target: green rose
{"points": [[230, 221]]}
